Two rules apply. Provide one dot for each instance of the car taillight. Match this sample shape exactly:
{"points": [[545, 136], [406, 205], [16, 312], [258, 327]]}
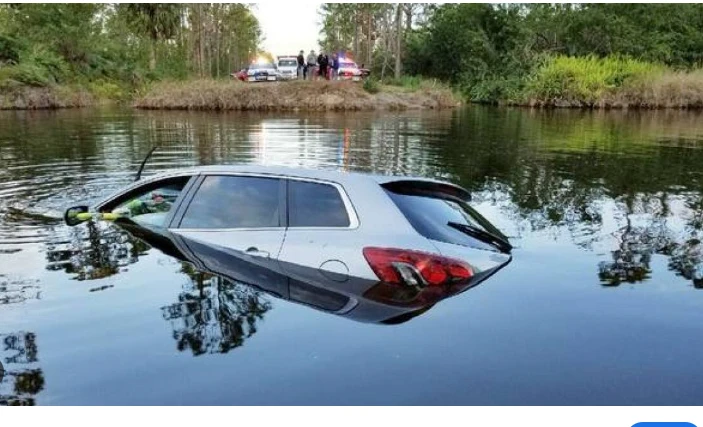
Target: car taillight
{"points": [[416, 269]]}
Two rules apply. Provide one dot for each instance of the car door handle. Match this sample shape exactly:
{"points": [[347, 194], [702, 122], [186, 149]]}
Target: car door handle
{"points": [[252, 251]]}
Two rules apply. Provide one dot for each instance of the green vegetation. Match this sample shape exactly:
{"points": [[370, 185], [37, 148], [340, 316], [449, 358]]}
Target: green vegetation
{"points": [[610, 82], [371, 85], [60, 55], [576, 55]]}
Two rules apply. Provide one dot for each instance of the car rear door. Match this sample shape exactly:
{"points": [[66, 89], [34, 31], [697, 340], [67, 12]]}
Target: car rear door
{"points": [[321, 223], [234, 225], [315, 252]]}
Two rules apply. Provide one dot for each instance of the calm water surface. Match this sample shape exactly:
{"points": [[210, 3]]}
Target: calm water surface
{"points": [[602, 304]]}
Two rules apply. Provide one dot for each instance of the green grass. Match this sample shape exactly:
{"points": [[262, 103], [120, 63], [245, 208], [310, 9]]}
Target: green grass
{"points": [[585, 81]]}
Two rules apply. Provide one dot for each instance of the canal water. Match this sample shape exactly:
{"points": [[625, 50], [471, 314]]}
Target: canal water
{"points": [[602, 304]]}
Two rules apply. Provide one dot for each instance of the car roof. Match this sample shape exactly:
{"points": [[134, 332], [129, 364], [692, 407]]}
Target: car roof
{"points": [[334, 175]]}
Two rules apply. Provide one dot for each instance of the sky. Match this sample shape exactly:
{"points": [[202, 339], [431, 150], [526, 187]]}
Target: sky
{"points": [[289, 26]]}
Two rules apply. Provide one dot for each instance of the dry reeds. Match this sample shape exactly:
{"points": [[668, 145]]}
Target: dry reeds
{"points": [[286, 96]]}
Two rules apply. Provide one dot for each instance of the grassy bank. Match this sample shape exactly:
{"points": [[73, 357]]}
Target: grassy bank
{"points": [[562, 82], [611, 82], [293, 96], [50, 97]]}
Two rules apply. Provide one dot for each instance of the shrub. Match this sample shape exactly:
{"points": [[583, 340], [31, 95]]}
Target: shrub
{"points": [[586, 80], [371, 85], [107, 90], [10, 49]]}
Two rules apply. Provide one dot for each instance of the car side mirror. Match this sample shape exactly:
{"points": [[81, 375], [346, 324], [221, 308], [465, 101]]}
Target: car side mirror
{"points": [[75, 215]]}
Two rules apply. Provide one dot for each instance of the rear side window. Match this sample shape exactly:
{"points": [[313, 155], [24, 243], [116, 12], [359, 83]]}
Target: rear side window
{"points": [[234, 202], [430, 215], [312, 204]]}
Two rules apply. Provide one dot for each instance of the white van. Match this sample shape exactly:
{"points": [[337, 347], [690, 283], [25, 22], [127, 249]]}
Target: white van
{"points": [[287, 67]]}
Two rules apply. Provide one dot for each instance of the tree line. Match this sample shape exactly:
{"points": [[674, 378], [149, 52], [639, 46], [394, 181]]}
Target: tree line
{"points": [[490, 50], [42, 44]]}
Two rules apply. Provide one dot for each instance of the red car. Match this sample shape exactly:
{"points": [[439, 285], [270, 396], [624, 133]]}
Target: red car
{"points": [[240, 75]]}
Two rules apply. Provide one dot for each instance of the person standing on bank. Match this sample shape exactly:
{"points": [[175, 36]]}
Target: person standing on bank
{"points": [[301, 65], [312, 65], [335, 66], [323, 62]]}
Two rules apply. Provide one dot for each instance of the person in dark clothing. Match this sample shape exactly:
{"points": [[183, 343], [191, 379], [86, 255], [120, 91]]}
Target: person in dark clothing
{"points": [[322, 62], [335, 67], [301, 65]]}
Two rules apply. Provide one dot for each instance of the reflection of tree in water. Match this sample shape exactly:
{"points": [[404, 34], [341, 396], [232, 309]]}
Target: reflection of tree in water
{"points": [[18, 290], [22, 379], [686, 260], [631, 260], [94, 250], [214, 315], [637, 244], [686, 257]]}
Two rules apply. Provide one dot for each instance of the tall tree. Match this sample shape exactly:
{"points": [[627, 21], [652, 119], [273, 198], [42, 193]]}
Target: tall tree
{"points": [[160, 21]]}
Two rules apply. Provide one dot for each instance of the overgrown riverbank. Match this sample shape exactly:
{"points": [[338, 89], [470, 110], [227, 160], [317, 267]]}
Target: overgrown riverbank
{"points": [[292, 96], [611, 82]]}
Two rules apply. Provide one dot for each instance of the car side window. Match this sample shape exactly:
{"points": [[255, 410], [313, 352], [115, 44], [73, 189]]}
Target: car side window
{"points": [[150, 204], [312, 204], [234, 202]]}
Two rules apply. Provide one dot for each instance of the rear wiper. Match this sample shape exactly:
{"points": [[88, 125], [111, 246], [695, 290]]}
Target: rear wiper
{"points": [[482, 235]]}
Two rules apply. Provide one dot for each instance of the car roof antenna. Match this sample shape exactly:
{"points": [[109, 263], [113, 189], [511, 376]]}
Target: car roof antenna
{"points": [[139, 172]]}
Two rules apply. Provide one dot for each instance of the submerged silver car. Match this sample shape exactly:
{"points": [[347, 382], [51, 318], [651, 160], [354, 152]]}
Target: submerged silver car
{"points": [[368, 247]]}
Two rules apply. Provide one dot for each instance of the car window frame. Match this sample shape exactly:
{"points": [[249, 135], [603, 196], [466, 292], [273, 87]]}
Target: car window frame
{"points": [[154, 182], [348, 206], [181, 209], [282, 207]]}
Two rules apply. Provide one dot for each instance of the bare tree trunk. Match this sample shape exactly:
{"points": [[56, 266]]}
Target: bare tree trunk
{"points": [[152, 55], [357, 31], [217, 38], [200, 39], [369, 41], [398, 39]]}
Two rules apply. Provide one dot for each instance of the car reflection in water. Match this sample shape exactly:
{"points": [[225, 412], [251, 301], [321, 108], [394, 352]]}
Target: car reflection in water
{"points": [[221, 305]]}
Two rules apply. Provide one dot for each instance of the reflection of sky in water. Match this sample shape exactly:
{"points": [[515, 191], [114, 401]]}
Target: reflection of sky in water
{"points": [[588, 200]]}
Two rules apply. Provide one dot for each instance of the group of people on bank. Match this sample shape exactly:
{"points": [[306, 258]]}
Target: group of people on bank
{"points": [[318, 67]]}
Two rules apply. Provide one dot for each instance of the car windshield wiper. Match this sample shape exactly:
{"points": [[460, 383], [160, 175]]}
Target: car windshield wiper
{"points": [[482, 235]]}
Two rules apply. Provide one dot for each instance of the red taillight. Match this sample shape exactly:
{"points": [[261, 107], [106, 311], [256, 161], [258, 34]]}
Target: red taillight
{"points": [[413, 268]]}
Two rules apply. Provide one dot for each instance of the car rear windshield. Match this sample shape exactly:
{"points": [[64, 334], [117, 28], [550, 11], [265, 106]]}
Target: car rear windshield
{"points": [[431, 211], [288, 63]]}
